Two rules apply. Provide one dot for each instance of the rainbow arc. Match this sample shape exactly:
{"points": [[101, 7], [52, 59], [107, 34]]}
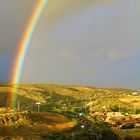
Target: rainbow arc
{"points": [[23, 48]]}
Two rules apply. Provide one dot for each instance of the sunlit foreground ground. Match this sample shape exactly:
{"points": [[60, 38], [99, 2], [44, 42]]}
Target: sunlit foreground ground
{"points": [[130, 134], [28, 125]]}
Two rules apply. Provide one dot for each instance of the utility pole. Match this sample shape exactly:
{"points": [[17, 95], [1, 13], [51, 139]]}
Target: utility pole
{"points": [[85, 105], [90, 105], [134, 110], [18, 106], [38, 106], [119, 107], [8, 106]]}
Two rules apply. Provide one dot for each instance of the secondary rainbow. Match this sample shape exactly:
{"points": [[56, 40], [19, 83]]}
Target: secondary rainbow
{"points": [[23, 48]]}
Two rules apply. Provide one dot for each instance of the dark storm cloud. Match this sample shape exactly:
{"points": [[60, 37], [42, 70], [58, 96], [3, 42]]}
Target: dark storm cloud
{"points": [[13, 17], [5, 64], [94, 43]]}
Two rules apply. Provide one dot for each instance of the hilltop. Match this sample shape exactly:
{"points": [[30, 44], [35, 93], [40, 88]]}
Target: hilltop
{"points": [[56, 98]]}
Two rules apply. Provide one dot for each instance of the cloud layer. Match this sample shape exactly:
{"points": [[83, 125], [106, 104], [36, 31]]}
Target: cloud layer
{"points": [[93, 42]]}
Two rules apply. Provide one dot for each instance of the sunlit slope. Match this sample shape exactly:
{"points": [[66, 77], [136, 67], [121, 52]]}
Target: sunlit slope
{"points": [[56, 97], [30, 124]]}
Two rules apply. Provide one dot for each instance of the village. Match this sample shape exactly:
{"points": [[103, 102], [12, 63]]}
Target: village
{"points": [[116, 120]]}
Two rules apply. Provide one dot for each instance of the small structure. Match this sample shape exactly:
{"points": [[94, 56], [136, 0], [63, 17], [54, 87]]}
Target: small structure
{"points": [[38, 106], [135, 93], [113, 114]]}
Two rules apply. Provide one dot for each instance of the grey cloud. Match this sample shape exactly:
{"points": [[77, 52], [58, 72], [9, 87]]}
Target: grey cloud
{"points": [[13, 18], [14, 15], [96, 34], [116, 55]]}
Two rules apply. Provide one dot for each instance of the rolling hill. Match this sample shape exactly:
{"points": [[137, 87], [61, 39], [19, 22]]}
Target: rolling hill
{"points": [[57, 98]]}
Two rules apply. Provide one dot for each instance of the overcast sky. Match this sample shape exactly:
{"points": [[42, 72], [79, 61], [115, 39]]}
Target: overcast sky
{"points": [[87, 42]]}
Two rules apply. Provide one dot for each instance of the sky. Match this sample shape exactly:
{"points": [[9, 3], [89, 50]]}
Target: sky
{"points": [[77, 42]]}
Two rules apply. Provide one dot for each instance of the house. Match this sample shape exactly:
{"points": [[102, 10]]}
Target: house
{"points": [[113, 114]]}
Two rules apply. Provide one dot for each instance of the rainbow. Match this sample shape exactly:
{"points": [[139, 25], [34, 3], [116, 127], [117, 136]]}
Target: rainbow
{"points": [[23, 49]]}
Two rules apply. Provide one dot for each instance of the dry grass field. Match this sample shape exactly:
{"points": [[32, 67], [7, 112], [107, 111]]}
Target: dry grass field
{"points": [[25, 124], [58, 100], [54, 97]]}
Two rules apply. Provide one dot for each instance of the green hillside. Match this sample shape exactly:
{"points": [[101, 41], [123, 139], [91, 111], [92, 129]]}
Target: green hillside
{"points": [[62, 99]]}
